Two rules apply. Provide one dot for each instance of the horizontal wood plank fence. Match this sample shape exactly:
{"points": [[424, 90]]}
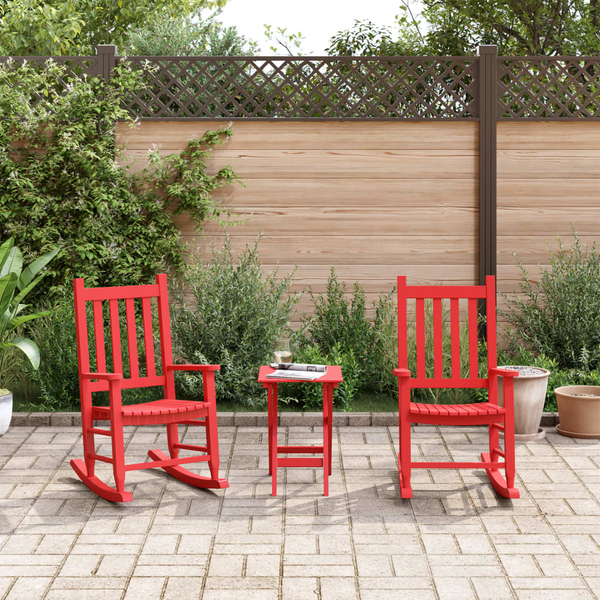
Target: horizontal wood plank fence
{"points": [[439, 168]]}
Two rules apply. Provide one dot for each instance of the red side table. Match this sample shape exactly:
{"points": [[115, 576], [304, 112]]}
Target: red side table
{"points": [[330, 381]]}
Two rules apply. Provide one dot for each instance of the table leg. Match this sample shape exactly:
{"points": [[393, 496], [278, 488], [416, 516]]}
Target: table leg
{"points": [[326, 439], [330, 425], [269, 425], [273, 437]]}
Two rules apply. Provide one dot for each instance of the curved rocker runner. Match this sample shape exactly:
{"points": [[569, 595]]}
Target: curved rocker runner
{"points": [[168, 411]]}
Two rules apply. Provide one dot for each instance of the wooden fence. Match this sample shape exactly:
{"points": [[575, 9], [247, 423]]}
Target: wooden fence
{"points": [[440, 168], [378, 199]]}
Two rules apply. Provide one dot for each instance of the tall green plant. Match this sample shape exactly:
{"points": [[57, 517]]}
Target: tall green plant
{"points": [[63, 180], [233, 317], [340, 320], [16, 282], [559, 316]]}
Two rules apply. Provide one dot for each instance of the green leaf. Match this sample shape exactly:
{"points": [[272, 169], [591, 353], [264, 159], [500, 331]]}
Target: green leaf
{"points": [[5, 249], [13, 262], [14, 323], [8, 283], [28, 347], [35, 267]]}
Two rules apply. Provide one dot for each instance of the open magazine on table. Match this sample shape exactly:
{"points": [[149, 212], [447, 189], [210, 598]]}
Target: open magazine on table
{"points": [[297, 371]]}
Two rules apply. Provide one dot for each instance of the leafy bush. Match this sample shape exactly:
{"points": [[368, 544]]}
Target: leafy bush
{"points": [[341, 322], [233, 317], [310, 397], [558, 318], [187, 36], [61, 182], [58, 377]]}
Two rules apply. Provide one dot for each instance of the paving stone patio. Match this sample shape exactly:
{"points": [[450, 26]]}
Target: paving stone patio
{"points": [[455, 540]]}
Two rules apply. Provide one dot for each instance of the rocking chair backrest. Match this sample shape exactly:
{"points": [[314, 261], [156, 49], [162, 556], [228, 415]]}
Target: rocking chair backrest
{"points": [[128, 294], [436, 293]]}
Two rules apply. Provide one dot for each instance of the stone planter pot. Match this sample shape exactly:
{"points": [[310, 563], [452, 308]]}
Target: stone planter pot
{"points": [[6, 404], [530, 396], [579, 411]]}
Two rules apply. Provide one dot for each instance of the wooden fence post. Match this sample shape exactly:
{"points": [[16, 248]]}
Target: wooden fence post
{"points": [[107, 57], [488, 84]]}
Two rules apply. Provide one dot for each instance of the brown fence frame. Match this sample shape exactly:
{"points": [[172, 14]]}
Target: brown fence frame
{"points": [[488, 88]]}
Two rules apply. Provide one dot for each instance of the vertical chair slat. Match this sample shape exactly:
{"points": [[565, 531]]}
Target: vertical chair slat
{"points": [[420, 318], [115, 335], [438, 353], [455, 336], [148, 337], [134, 370], [473, 362], [99, 337]]}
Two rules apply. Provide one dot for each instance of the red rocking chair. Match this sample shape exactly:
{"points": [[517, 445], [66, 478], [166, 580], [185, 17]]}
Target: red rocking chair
{"points": [[169, 411], [485, 413]]}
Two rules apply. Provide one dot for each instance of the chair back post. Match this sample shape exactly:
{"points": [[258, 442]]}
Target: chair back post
{"points": [[490, 284], [402, 324], [81, 335], [164, 324]]}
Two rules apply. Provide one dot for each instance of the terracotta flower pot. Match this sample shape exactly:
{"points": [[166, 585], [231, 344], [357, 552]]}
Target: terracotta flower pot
{"points": [[579, 411], [530, 396], [6, 403]]}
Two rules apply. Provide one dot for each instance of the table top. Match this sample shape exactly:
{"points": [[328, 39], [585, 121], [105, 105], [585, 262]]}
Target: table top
{"points": [[333, 375]]}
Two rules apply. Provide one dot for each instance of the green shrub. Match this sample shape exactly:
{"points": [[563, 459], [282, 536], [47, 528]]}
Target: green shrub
{"points": [[61, 182], [57, 376], [341, 322], [559, 317], [234, 315], [310, 396]]}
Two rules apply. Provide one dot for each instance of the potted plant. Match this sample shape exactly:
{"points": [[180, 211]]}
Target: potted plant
{"points": [[15, 283], [578, 411], [529, 398]]}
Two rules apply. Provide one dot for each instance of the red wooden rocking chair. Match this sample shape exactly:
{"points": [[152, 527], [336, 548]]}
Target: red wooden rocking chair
{"points": [[485, 413], [169, 411]]}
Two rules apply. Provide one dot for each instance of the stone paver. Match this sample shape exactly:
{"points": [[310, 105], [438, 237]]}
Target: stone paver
{"points": [[455, 539]]}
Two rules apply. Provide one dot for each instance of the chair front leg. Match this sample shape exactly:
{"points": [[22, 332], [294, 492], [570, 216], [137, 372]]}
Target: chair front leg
{"points": [[494, 437], [404, 454], [116, 427], [509, 432], [212, 435]]}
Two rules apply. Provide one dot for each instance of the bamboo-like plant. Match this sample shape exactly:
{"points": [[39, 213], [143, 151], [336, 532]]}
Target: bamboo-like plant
{"points": [[16, 281]]}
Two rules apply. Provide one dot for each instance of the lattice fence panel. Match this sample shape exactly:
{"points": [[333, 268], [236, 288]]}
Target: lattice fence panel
{"points": [[548, 88], [76, 67], [307, 88]]}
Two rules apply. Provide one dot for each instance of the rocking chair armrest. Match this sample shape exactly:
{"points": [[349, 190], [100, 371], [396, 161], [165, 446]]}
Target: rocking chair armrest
{"points": [[194, 367], [402, 373], [503, 372], [107, 376]]}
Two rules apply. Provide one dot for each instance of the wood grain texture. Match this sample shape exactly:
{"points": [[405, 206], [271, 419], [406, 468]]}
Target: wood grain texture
{"points": [[548, 185], [340, 221], [303, 135], [579, 134], [548, 164], [354, 249], [335, 164], [373, 199], [362, 192]]}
